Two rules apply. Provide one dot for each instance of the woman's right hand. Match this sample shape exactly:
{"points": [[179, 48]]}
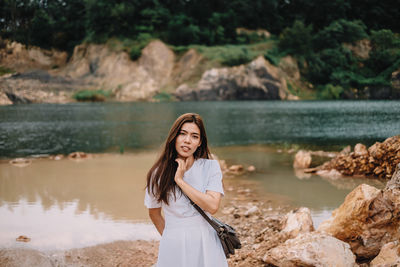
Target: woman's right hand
{"points": [[180, 171]]}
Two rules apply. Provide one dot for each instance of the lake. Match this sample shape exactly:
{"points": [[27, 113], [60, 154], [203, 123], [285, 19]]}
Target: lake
{"points": [[66, 203]]}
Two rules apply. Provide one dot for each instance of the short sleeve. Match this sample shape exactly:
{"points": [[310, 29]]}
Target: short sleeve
{"points": [[215, 178], [150, 201]]}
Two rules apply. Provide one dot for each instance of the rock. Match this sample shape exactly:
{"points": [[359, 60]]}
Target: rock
{"points": [[251, 211], [346, 150], [367, 219], [298, 221], [18, 56], [388, 256], [302, 160], [23, 238], [78, 156], [289, 65], [360, 48], [360, 150], [20, 162], [236, 169], [379, 160], [311, 249], [4, 100], [256, 80], [251, 168]]}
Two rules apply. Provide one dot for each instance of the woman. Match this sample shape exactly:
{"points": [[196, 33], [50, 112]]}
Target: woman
{"points": [[185, 170]]}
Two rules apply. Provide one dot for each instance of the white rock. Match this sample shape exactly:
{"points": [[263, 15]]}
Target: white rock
{"points": [[311, 249]]}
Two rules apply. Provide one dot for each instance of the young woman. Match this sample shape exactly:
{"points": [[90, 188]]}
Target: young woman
{"points": [[185, 170]]}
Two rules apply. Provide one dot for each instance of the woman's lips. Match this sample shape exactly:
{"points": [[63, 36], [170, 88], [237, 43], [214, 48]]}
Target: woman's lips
{"points": [[185, 148]]}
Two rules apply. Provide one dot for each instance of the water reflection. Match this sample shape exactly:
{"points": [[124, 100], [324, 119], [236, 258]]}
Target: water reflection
{"points": [[75, 203], [65, 227]]}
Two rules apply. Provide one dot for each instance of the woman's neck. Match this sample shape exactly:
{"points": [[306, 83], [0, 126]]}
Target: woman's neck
{"points": [[189, 161]]}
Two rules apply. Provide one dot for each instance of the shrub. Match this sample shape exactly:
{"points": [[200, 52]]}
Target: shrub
{"points": [[163, 97], [296, 39], [338, 32], [330, 91], [92, 95], [236, 57]]}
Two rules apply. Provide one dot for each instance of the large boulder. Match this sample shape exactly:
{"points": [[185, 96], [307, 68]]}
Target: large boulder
{"points": [[254, 81], [311, 249], [368, 218], [129, 80]]}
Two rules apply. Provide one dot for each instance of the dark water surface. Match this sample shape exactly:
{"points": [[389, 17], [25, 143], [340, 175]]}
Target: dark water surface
{"points": [[98, 127]]}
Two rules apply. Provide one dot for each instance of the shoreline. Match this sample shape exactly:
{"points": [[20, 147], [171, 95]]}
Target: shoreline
{"points": [[241, 196]]}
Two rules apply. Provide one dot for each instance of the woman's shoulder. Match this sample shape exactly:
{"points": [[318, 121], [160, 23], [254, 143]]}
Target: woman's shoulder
{"points": [[208, 163]]}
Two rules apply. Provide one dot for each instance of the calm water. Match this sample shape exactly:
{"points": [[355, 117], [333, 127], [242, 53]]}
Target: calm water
{"points": [[98, 127], [64, 204]]}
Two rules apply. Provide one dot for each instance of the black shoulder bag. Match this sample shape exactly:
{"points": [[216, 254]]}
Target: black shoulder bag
{"points": [[225, 232]]}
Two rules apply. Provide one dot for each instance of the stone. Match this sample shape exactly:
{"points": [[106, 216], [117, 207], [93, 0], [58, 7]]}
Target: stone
{"points": [[311, 249], [254, 81], [235, 169], [379, 160], [388, 256], [302, 160], [298, 221], [360, 150], [251, 168], [20, 162], [367, 219], [251, 211]]}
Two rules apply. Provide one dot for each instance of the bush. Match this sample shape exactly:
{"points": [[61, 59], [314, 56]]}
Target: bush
{"points": [[163, 97], [274, 56], [338, 32], [92, 95], [296, 39], [330, 91], [234, 58]]}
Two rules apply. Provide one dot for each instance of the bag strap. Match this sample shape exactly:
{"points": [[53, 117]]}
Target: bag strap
{"points": [[200, 210]]}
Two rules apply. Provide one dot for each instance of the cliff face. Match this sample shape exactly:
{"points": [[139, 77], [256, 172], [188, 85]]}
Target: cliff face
{"points": [[47, 76]]}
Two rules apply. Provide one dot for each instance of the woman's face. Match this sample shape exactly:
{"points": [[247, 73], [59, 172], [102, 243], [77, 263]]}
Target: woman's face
{"points": [[188, 140]]}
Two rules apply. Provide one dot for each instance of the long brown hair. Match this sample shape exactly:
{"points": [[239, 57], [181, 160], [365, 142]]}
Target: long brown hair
{"points": [[160, 178]]}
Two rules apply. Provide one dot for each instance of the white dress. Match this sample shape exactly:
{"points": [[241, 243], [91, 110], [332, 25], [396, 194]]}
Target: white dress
{"points": [[188, 240]]}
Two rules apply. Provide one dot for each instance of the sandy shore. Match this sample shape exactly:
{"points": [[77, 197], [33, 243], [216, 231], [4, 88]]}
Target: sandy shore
{"points": [[244, 207]]}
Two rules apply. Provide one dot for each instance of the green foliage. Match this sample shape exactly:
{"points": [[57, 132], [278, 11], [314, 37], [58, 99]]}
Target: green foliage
{"points": [[163, 97], [5, 70], [296, 39], [330, 91], [238, 57], [338, 32], [92, 95], [231, 55], [274, 55]]}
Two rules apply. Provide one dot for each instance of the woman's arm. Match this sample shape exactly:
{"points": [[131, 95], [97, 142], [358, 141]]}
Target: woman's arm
{"points": [[208, 201], [157, 219]]}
